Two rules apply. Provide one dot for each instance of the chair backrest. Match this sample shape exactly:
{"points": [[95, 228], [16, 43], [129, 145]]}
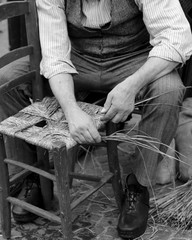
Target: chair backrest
{"points": [[28, 9]]}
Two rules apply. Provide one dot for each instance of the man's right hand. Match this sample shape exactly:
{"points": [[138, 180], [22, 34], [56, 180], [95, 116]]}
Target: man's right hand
{"points": [[82, 127]]}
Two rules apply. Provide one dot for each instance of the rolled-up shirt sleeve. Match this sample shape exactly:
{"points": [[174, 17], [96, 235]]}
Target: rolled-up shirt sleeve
{"points": [[169, 30], [54, 40]]}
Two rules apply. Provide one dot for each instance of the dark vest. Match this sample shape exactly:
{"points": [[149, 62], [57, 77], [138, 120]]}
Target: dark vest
{"points": [[125, 34]]}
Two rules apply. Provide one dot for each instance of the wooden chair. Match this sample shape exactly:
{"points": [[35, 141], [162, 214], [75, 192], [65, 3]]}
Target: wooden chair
{"points": [[43, 124]]}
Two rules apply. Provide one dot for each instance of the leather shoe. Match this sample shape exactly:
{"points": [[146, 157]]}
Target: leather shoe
{"points": [[134, 213], [15, 188], [30, 193]]}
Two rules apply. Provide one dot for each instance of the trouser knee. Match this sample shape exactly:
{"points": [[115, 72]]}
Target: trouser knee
{"points": [[165, 94], [14, 100]]}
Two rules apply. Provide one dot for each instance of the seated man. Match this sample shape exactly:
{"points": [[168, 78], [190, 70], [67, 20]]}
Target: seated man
{"points": [[129, 50]]}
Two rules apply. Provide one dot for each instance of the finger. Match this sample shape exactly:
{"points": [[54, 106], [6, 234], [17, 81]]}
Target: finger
{"points": [[95, 135], [117, 118], [107, 104], [88, 138], [79, 138], [124, 118], [110, 114]]}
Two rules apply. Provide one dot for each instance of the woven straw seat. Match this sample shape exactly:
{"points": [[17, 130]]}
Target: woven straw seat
{"points": [[54, 133], [43, 124]]}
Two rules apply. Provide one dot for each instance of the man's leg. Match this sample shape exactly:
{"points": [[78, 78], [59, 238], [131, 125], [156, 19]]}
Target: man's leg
{"points": [[159, 121], [15, 100], [10, 103]]}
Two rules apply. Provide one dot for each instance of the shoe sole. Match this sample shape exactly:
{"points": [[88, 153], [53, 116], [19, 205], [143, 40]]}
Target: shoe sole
{"points": [[130, 235], [24, 218]]}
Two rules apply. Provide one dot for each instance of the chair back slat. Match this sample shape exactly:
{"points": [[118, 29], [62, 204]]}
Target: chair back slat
{"points": [[15, 54], [13, 9]]}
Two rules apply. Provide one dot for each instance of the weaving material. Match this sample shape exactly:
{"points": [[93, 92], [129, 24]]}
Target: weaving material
{"points": [[44, 124]]}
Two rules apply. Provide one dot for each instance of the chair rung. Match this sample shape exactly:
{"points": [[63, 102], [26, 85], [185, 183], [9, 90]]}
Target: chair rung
{"points": [[87, 177], [19, 176], [103, 181], [38, 211], [31, 168], [50, 216], [82, 176], [15, 54]]}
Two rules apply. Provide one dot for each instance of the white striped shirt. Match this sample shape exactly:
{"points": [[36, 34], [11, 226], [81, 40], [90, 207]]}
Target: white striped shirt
{"points": [[96, 13], [169, 30]]}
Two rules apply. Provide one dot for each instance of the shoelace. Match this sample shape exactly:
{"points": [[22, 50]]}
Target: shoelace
{"points": [[29, 185], [132, 198]]}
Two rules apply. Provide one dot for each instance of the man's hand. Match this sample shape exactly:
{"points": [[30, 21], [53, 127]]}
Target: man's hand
{"points": [[121, 100], [119, 103], [82, 127]]}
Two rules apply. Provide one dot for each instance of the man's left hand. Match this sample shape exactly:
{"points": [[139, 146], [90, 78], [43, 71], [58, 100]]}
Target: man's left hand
{"points": [[119, 103]]}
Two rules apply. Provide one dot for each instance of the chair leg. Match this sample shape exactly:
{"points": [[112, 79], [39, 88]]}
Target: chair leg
{"points": [[114, 167], [72, 159], [46, 184], [62, 180], [5, 206]]}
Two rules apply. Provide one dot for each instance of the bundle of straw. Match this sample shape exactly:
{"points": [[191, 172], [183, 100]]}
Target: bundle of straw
{"points": [[175, 207]]}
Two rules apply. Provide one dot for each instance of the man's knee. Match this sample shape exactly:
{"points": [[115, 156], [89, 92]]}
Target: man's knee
{"points": [[14, 70], [169, 89]]}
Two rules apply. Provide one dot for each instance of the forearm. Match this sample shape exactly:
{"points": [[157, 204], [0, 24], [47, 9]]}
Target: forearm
{"points": [[121, 100], [62, 87], [153, 69]]}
